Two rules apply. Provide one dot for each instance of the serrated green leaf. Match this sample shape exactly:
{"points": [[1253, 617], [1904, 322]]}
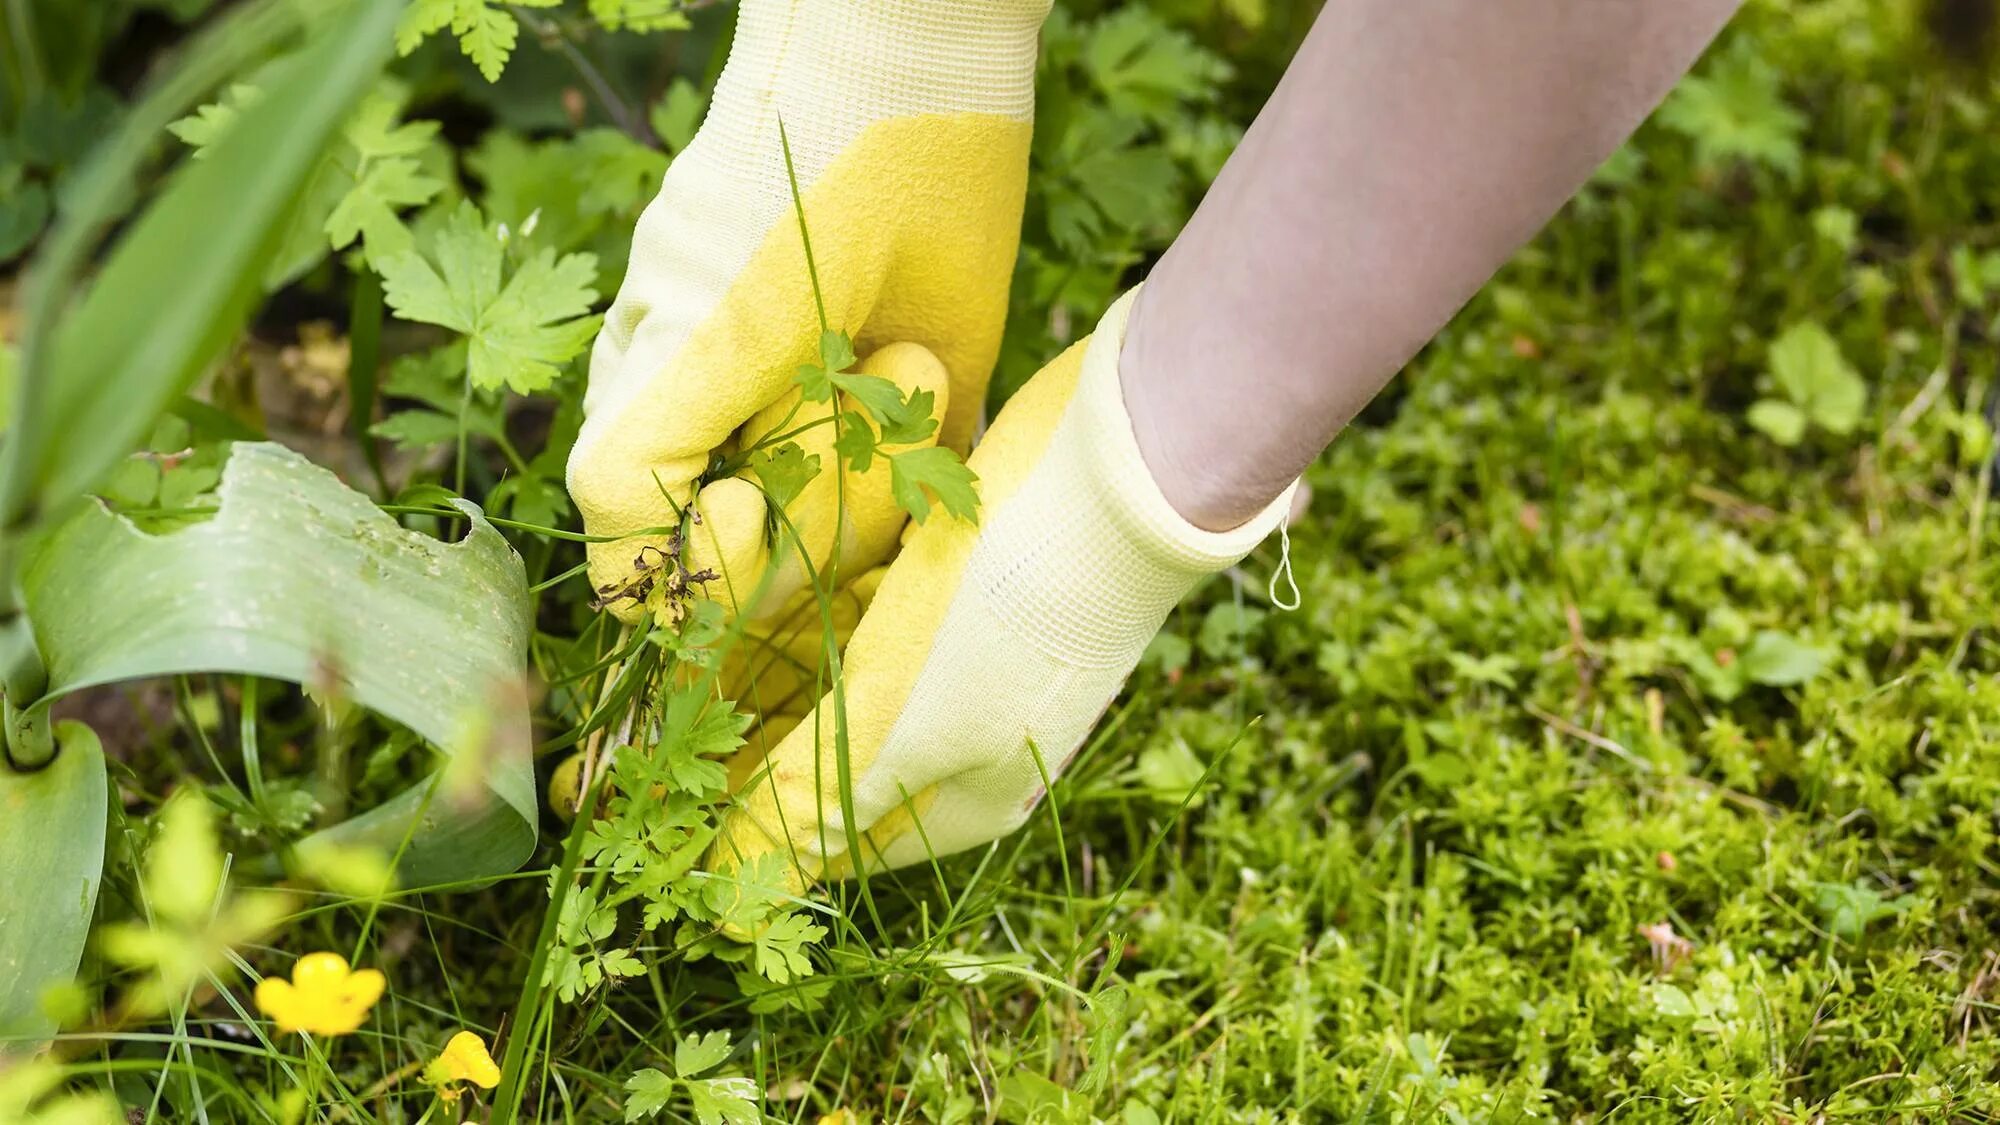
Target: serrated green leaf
{"points": [[417, 429], [698, 1054], [780, 948], [916, 475], [784, 472], [882, 399], [618, 174], [836, 351], [1733, 109], [647, 1093], [518, 336], [640, 15], [536, 324], [725, 1101], [856, 444], [913, 421], [676, 116], [201, 129], [370, 207], [375, 133]]}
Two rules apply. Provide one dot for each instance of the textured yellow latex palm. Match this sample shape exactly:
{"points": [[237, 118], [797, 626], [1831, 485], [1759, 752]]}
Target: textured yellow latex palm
{"points": [[984, 653], [910, 126], [789, 798]]}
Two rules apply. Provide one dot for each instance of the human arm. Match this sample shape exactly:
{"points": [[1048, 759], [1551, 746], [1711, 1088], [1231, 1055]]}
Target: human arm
{"points": [[1408, 151]]}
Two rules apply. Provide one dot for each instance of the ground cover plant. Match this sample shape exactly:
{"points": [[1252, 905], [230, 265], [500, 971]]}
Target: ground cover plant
{"points": [[1634, 754]]}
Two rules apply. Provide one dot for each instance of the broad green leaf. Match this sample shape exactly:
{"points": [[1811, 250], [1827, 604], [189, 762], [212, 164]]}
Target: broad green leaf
{"points": [[1780, 659], [1807, 365], [180, 284], [1781, 421], [297, 577], [52, 833]]}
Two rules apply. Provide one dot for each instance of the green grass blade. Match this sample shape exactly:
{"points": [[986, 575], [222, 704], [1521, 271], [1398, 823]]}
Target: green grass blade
{"points": [[182, 282]]}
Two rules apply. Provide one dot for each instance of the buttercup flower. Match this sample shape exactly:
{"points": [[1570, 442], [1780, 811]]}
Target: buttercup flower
{"points": [[464, 1059], [324, 996]]}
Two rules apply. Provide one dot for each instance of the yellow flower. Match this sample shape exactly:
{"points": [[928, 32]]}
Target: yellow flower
{"points": [[324, 996], [464, 1059], [841, 1116]]}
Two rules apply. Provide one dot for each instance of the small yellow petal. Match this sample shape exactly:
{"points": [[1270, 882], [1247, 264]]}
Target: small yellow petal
{"points": [[323, 997], [276, 998], [365, 987], [319, 970], [465, 1059]]}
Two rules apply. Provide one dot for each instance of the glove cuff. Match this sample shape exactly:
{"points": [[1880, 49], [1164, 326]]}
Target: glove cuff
{"points": [[1117, 468], [1089, 557]]}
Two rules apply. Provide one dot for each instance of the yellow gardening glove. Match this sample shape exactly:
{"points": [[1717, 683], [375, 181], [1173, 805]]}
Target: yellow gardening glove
{"points": [[908, 123], [987, 646]]}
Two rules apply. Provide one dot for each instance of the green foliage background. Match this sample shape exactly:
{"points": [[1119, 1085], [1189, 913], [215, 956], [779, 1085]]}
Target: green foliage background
{"points": [[1635, 755]]}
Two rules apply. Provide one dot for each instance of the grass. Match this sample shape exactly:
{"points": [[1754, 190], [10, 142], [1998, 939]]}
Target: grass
{"points": [[1628, 760]]}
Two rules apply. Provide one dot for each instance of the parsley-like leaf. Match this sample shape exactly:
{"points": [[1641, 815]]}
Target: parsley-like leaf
{"points": [[485, 33], [781, 956], [647, 1093], [518, 335], [784, 472], [935, 471], [698, 1054], [725, 1101]]}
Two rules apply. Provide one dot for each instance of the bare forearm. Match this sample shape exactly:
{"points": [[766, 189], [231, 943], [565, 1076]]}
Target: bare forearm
{"points": [[1412, 146]]}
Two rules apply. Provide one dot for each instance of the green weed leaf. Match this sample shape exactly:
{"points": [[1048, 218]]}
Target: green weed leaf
{"points": [[1734, 110], [1780, 660], [676, 116], [485, 33], [1808, 367], [1781, 421], [916, 475], [647, 1093], [518, 335], [784, 472], [640, 15], [698, 1054]]}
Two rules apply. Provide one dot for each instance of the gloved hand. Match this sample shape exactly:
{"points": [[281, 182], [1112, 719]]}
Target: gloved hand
{"points": [[908, 123], [988, 645]]}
